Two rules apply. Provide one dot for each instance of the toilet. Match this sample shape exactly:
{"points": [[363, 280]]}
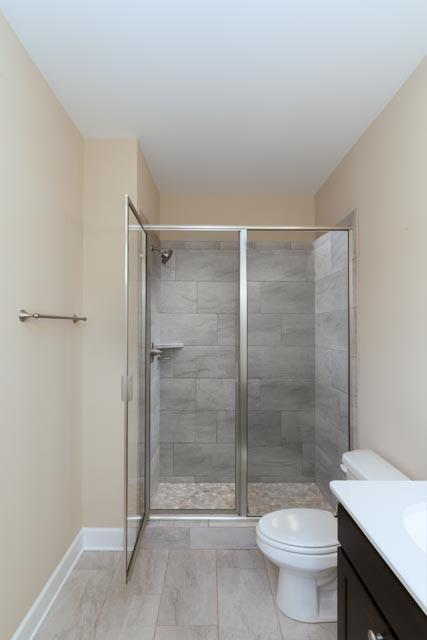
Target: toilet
{"points": [[303, 544]]}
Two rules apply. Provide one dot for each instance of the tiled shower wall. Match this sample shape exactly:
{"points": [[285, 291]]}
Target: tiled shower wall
{"points": [[155, 284], [198, 382], [198, 307], [331, 392], [281, 362]]}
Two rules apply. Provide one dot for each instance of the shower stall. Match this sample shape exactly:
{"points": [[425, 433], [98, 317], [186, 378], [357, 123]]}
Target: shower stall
{"points": [[237, 368]]}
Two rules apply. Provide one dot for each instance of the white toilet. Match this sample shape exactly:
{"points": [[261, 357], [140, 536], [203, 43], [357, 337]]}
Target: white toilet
{"points": [[303, 544]]}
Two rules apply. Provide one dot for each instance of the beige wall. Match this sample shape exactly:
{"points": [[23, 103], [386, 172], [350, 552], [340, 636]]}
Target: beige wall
{"points": [[148, 199], [236, 209], [384, 177], [41, 161], [111, 169]]}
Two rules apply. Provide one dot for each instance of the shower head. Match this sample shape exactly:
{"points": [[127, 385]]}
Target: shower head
{"points": [[166, 255]]}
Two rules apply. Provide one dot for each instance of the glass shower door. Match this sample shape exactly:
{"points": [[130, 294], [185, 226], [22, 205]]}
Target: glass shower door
{"points": [[133, 383], [194, 319]]}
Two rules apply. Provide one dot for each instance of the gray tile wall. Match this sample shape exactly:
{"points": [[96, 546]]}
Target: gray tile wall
{"points": [[331, 384], [198, 307], [281, 335]]}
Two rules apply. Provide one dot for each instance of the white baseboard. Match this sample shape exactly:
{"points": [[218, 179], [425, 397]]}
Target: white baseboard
{"points": [[53, 586], [106, 539], [88, 539]]}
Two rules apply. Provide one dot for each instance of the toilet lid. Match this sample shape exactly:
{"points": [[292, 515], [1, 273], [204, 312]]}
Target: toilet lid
{"points": [[301, 527]]}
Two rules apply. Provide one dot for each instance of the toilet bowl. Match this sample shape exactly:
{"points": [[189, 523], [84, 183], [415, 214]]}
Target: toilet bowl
{"points": [[303, 544]]}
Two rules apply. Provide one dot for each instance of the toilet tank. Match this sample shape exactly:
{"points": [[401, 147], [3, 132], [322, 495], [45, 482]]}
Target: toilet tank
{"points": [[363, 464]]}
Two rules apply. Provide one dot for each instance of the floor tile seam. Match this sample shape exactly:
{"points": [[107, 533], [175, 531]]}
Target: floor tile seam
{"points": [[156, 624], [276, 609], [184, 626], [107, 593]]}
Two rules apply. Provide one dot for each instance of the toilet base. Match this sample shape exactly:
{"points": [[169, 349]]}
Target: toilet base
{"points": [[307, 598]]}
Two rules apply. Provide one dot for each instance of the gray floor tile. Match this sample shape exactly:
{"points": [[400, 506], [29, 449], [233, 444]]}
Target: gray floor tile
{"points": [[128, 618], [189, 596], [76, 609], [93, 560], [240, 559], [273, 576], [131, 610], [245, 606], [223, 538], [294, 630], [187, 633], [166, 538]]}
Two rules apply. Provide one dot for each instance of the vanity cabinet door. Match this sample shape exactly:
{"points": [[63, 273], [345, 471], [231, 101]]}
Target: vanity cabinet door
{"points": [[358, 616]]}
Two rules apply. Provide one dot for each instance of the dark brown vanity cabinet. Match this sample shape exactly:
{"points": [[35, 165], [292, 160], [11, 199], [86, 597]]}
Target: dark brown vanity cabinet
{"points": [[372, 602]]}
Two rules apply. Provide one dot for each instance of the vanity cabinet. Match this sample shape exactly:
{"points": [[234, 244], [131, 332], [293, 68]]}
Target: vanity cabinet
{"points": [[372, 602]]}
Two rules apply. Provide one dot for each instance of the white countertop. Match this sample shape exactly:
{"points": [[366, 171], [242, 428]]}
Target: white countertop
{"points": [[378, 508]]}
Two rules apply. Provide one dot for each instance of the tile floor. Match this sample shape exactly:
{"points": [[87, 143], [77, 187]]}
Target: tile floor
{"points": [[191, 581], [262, 497]]}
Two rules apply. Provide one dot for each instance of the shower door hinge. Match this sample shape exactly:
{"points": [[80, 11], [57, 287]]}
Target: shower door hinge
{"points": [[127, 388]]}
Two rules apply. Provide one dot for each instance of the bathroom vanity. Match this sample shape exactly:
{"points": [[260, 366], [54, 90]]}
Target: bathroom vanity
{"points": [[382, 561]]}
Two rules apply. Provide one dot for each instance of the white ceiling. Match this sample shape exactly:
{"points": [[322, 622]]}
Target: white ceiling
{"points": [[226, 95]]}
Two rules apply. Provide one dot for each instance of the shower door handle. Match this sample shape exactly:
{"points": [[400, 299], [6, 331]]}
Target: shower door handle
{"points": [[155, 353]]}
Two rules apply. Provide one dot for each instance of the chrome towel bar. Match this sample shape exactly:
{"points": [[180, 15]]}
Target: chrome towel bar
{"points": [[24, 315]]}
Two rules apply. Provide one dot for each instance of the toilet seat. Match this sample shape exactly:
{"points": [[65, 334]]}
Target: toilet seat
{"points": [[293, 549], [303, 531]]}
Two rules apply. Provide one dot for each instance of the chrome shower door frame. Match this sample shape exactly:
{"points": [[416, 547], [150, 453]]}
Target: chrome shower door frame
{"points": [[128, 563], [241, 486]]}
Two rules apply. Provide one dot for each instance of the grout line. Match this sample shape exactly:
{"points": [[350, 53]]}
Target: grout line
{"points": [[156, 624], [107, 593], [274, 598]]}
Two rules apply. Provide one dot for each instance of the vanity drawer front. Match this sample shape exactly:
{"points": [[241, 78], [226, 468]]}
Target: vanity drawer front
{"points": [[396, 604], [358, 616]]}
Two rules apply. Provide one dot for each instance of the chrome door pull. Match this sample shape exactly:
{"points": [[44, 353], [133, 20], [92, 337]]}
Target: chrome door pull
{"points": [[155, 353], [374, 636]]}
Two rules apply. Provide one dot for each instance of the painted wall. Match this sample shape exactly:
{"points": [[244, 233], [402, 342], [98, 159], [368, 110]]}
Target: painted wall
{"points": [[384, 178], [111, 168], [148, 198], [41, 169], [236, 209]]}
